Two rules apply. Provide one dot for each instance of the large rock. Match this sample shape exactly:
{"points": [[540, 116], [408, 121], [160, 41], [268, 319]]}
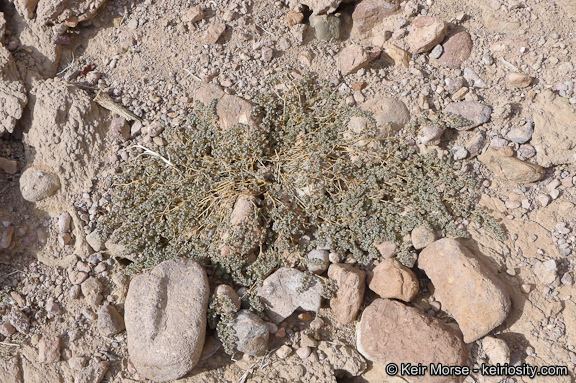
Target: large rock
{"points": [[426, 32], [391, 115], [165, 315], [350, 293], [510, 169], [554, 127], [281, 295], [13, 97], [392, 279], [369, 13], [390, 332], [465, 287]]}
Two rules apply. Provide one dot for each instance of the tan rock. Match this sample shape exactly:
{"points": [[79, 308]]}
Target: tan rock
{"points": [[351, 59], [399, 56], [293, 17], [387, 249], [391, 115], [426, 32], [392, 279], [9, 166], [457, 48], [511, 169], [213, 33], [465, 287], [391, 332], [422, 236], [518, 80], [49, 349], [369, 13], [348, 298], [496, 350], [553, 137], [193, 15]]}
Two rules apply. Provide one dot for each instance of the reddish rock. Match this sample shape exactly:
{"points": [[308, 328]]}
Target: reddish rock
{"points": [[9, 166], [426, 32], [392, 279], [391, 332], [348, 298], [369, 13], [213, 33], [457, 48], [49, 349], [465, 287], [351, 59]]}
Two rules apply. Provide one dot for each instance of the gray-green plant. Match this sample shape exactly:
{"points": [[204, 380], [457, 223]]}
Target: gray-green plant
{"points": [[312, 182]]}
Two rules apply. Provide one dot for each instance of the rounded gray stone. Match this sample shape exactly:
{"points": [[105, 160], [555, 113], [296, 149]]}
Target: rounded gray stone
{"points": [[165, 315], [252, 333], [36, 184]]}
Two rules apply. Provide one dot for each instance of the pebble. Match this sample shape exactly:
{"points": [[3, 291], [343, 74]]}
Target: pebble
{"points": [[473, 78], [327, 27], [9, 166], [226, 291], [555, 193], [518, 80], [436, 52], [521, 134], [37, 185], [7, 329], [318, 261], [284, 351], [543, 200], [567, 279], [317, 324], [513, 204], [304, 352], [459, 152], [251, 333], [110, 322]]}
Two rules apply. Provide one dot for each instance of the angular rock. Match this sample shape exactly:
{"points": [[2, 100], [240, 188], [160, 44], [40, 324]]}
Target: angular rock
{"points": [[465, 287], [425, 33], [110, 322], [93, 373], [351, 59], [350, 291], [472, 111], [49, 349], [457, 48], [422, 236], [165, 315], [390, 332], [77, 277], [7, 329], [6, 238], [430, 133], [391, 115], [252, 333], [92, 290], [94, 240], [546, 271], [387, 249], [510, 169], [391, 279], [327, 27], [37, 185], [19, 320], [279, 293], [369, 13], [214, 32], [400, 57], [554, 137]]}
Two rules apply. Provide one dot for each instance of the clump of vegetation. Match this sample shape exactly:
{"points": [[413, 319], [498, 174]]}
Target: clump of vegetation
{"points": [[310, 182]]}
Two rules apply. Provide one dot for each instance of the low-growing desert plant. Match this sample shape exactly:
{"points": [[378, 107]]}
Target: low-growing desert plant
{"points": [[311, 182]]}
